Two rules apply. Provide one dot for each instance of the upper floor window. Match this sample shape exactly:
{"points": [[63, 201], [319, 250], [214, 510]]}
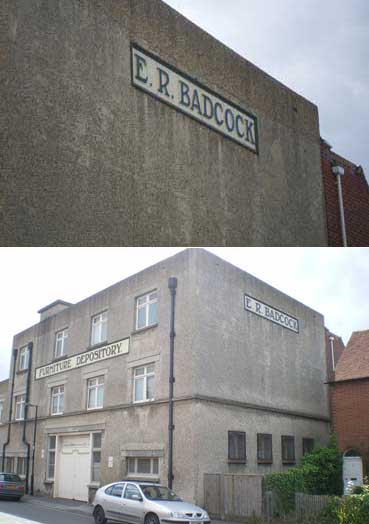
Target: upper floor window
{"points": [[61, 339], [144, 383], [99, 327], [237, 446], [57, 400], [265, 448], [307, 445], [23, 358], [95, 392], [146, 310], [1, 410], [288, 449], [20, 403]]}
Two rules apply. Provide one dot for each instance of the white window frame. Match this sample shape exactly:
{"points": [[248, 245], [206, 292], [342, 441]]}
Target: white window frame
{"points": [[50, 450], [23, 362], [143, 376], [135, 473], [95, 449], [147, 300], [21, 460], [99, 322], [93, 387], [20, 400], [61, 338], [58, 393]]}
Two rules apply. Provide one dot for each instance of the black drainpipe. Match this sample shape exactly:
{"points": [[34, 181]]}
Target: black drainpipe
{"points": [[15, 351], [30, 348], [172, 285]]}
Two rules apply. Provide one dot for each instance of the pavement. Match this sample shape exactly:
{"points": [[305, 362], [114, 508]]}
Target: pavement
{"points": [[62, 504]]}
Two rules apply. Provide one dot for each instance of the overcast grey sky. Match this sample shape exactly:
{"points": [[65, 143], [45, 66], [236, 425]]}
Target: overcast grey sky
{"points": [[320, 49], [334, 282]]}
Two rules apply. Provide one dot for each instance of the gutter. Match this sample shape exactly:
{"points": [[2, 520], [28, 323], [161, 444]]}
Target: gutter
{"points": [[15, 352], [27, 444], [172, 285]]}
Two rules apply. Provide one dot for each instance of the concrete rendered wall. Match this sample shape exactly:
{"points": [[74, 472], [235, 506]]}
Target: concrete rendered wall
{"points": [[90, 160]]}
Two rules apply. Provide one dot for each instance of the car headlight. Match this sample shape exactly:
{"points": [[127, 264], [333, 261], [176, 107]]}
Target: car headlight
{"points": [[205, 516], [176, 515]]}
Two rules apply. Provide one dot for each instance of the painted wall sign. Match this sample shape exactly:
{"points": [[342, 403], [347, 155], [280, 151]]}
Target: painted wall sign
{"points": [[169, 85], [270, 313], [83, 359]]}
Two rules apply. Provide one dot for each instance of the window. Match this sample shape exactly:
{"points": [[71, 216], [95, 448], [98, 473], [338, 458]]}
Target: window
{"points": [[20, 402], [96, 457], [51, 457], [288, 449], [9, 465], [132, 492], [237, 447], [265, 448], [95, 393], [146, 310], [115, 490], [144, 383], [1, 410], [99, 328], [57, 400], [148, 467], [307, 445], [21, 466], [23, 358], [61, 339]]}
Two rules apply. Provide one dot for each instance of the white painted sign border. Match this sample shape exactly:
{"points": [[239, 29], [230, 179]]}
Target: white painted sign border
{"points": [[271, 313]]}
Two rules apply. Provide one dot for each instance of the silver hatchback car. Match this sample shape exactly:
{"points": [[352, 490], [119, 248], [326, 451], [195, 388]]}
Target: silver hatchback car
{"points": [[144, 503]]}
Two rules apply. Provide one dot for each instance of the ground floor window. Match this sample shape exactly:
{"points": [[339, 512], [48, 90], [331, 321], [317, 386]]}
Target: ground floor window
{"points": [[237, 447], [21, 466], [143, 466], [288, 449], [307, 445], [265, 448], [96, 457], [51, 457], [9, 465]]}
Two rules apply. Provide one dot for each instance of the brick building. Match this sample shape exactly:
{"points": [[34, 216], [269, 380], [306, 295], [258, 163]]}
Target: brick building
{"points": [[355, 192], [350, 400]]}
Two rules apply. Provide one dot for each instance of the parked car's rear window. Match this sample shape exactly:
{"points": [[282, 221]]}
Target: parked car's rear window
{"points": [[8, 477], [158, 493]]}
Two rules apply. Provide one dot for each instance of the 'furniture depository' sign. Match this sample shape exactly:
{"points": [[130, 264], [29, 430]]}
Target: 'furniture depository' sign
{"points": [[190, 97], [270, 313], [83, 359]]}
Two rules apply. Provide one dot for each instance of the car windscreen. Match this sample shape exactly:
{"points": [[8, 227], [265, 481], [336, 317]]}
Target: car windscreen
{"points": [[158, 493], [8, 477]]}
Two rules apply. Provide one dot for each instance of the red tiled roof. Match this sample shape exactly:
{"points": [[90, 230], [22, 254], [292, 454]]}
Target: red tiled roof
{"points": [[354, 361]]}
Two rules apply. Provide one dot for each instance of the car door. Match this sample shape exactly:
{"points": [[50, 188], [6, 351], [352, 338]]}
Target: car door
{"points": [[133, 504], [114, 507]]}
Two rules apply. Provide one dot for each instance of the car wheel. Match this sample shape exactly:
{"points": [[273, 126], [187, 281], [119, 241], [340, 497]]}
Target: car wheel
{"points": [[99, 515], [151, 518]]}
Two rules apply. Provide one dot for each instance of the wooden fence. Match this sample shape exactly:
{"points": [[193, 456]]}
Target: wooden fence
{"points": [[309, 505], [233, 496]]}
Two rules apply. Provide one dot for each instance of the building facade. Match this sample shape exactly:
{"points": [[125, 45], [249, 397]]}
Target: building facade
{"points": [[355, 198], [128, 125], [249, 373], [350, 397]]}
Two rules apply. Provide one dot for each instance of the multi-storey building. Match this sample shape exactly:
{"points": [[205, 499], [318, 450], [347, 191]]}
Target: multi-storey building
{"points": [[249, 373]]}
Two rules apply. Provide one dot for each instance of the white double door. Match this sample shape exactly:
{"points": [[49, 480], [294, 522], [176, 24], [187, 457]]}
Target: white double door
{"points": [[73, 467]]}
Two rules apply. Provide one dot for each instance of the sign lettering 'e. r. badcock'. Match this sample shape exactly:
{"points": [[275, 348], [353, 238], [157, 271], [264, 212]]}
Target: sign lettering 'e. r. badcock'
{"points": [[190, 97]]}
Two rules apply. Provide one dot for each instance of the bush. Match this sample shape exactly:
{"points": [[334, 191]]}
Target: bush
{"points": [[322, 470], [285, 485], [353, 509]]}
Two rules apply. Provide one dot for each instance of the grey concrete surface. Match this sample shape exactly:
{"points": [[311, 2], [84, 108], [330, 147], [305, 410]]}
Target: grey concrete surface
{"points": [[46, 511], [88, 159]]}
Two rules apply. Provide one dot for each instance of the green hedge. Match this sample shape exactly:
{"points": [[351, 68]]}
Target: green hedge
{"points": [[353, 509], [320, 473]]}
